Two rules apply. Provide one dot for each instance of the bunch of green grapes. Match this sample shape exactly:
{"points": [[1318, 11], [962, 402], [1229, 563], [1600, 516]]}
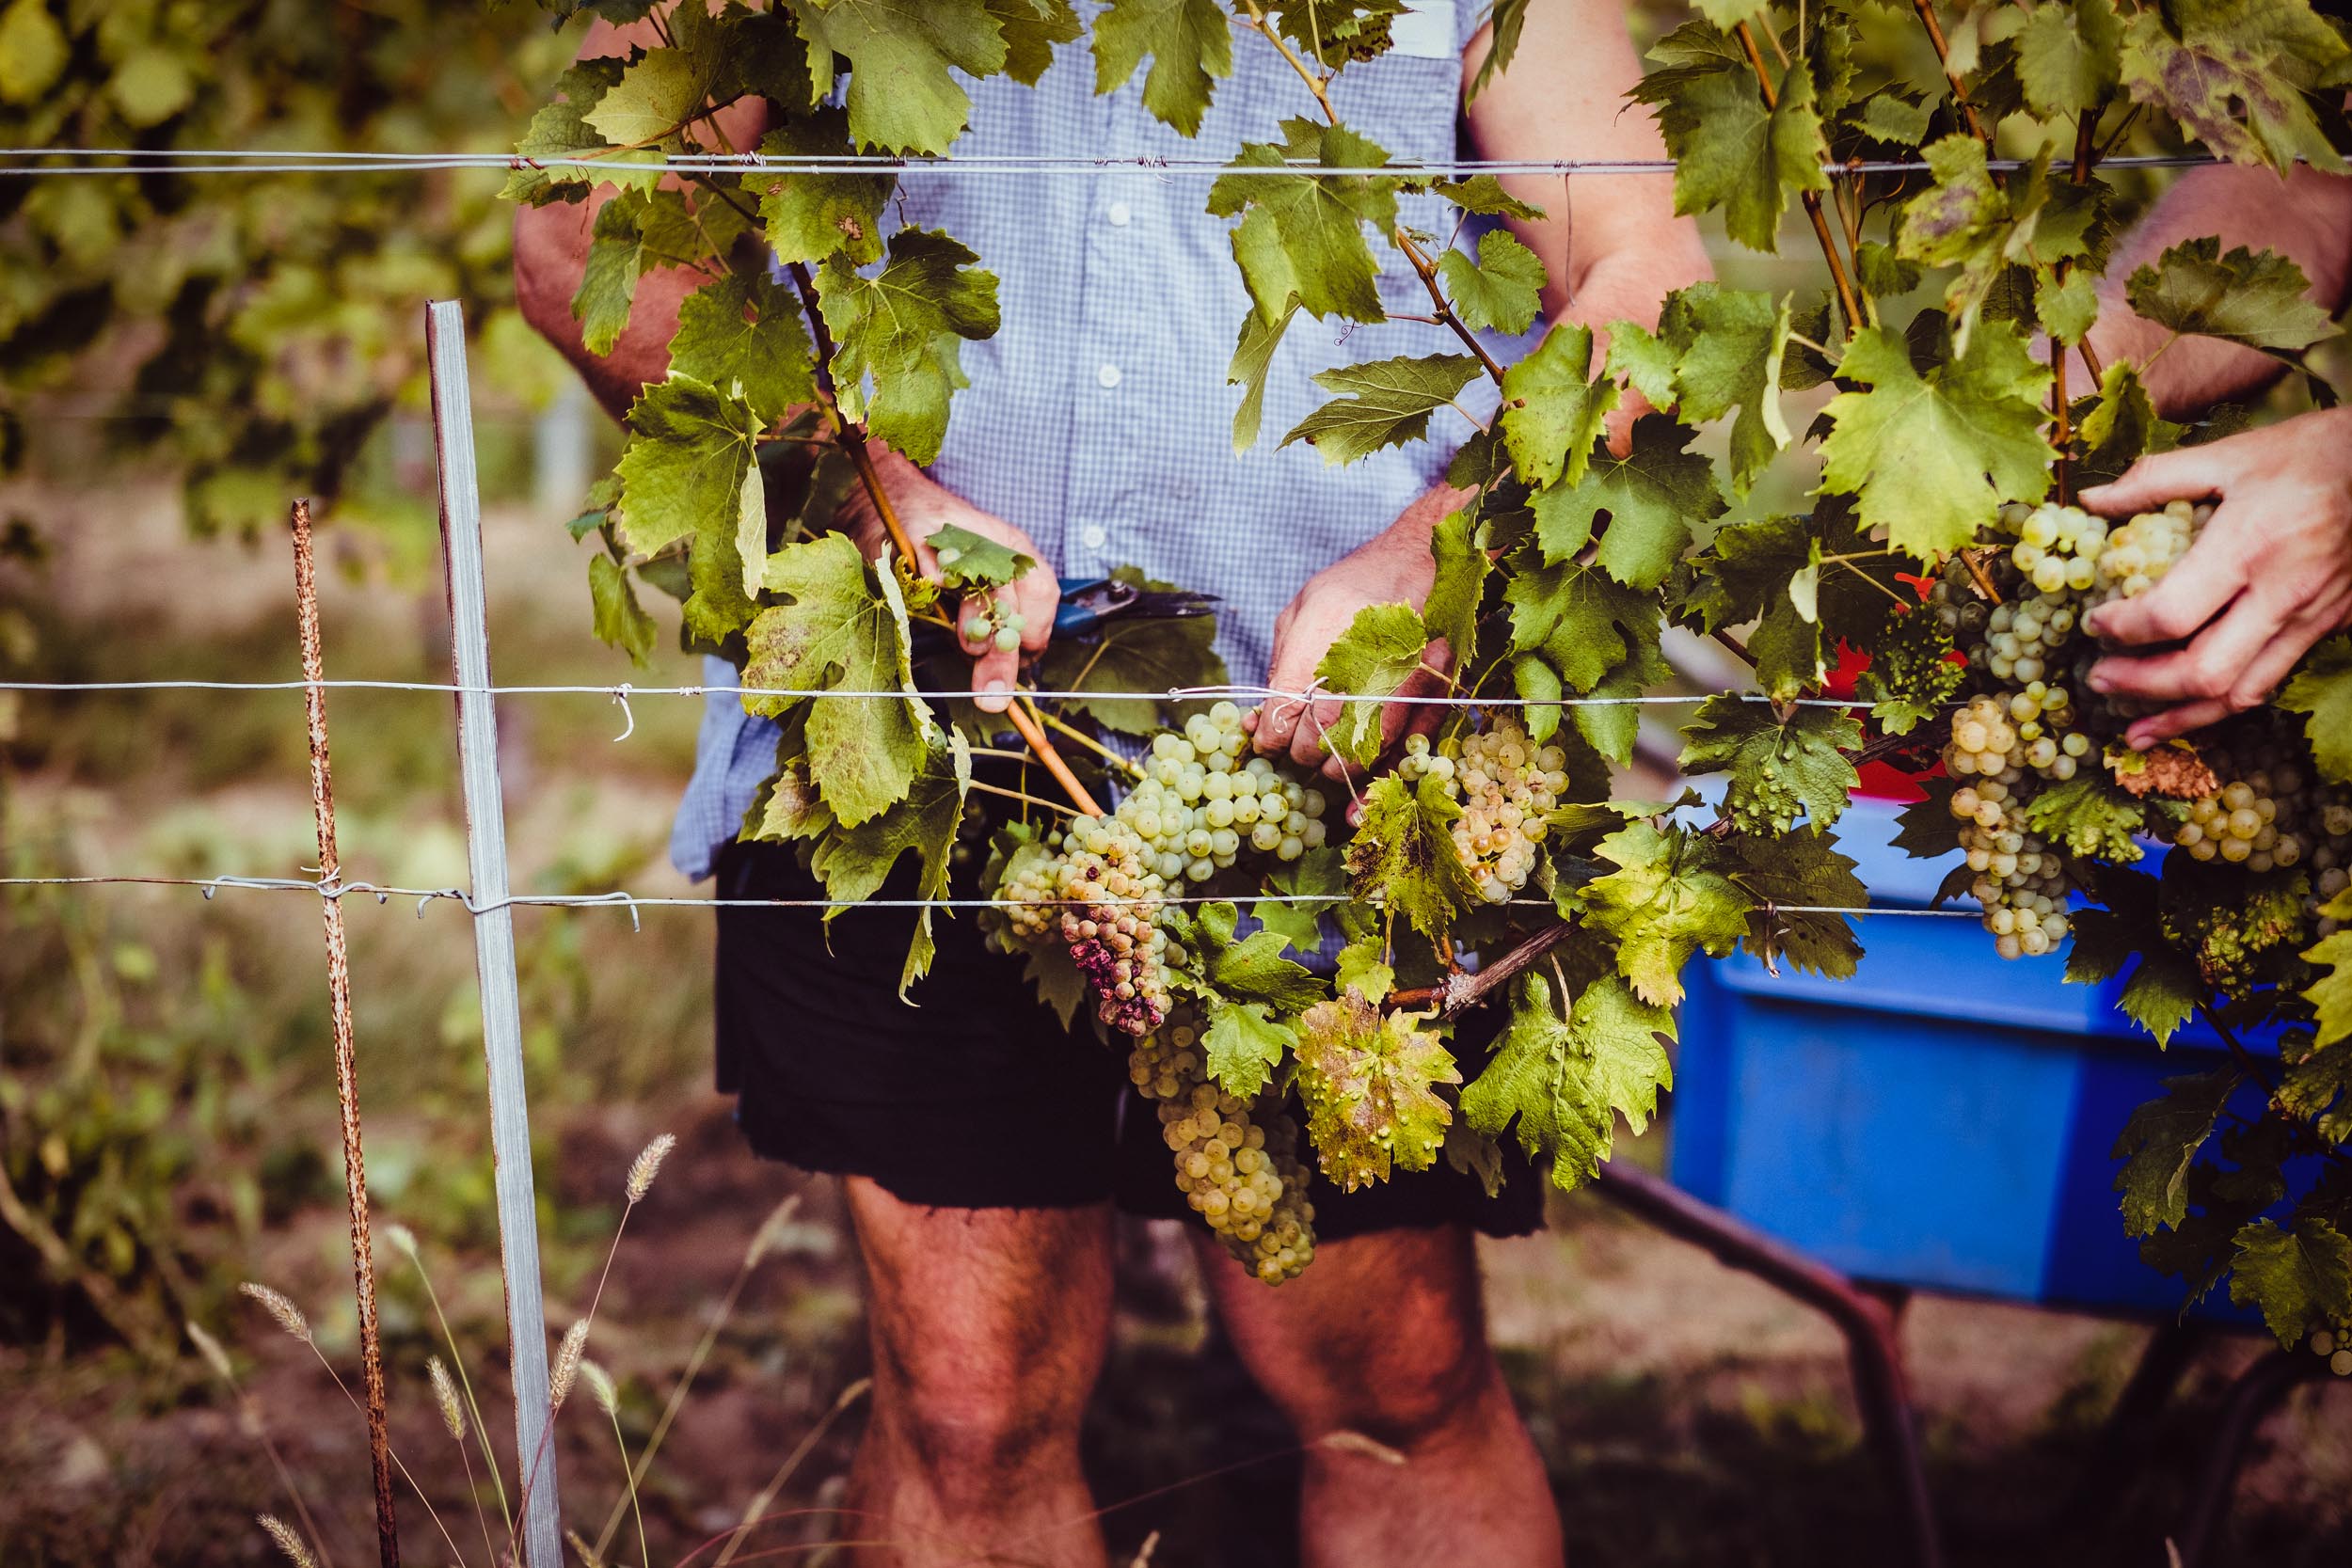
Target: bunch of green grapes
{"points": [[1240, 1171], [2335, 1344], [2019, 878], [1200, 801], [1507, 785], [1107, 899]]}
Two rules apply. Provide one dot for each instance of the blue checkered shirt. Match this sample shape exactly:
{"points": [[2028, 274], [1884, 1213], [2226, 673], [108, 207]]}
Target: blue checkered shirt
{"points": [[1098, 418]]}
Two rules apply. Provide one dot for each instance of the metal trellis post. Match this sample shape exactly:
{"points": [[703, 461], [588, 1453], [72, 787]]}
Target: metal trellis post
{"points": [[494, 928]]}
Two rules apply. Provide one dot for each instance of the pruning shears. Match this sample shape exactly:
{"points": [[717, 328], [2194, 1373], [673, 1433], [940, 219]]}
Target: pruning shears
{"points": [[1090, 603]]}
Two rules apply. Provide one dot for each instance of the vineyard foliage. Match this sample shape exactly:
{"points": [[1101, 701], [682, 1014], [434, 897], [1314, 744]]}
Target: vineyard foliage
{"points": [[1263, 946]]}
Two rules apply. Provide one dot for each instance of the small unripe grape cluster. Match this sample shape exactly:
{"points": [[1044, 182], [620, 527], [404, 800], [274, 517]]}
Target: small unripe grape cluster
{"points": [[1239, 1173], [1200, 801], [997, 626], [1507, 786], [2019, 877]]}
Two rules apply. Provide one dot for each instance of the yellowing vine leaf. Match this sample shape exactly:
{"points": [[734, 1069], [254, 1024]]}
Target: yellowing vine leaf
{"points": [[1370, 1088]]}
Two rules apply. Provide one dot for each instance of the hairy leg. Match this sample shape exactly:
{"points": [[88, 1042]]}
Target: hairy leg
{"points": [[1385, 1335], [988, 1327]]}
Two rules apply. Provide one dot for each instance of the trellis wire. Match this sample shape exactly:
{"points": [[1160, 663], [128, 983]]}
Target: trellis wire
{"points": [[309, 161]]}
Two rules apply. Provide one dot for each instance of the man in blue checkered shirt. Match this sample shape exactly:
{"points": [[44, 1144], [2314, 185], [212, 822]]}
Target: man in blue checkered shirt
{"points": [[983, 1149]]}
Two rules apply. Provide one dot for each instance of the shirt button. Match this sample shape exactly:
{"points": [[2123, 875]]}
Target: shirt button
{"points": [[1118, 215], [1093, 536], [1107, 376]]}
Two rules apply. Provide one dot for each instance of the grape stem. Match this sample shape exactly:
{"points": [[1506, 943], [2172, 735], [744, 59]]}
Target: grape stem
{"points": [[1019, 717], [1131, 768], [2244, 1058], [1444, 308], [1457, 993], [1812, 200], [1943, 57]]}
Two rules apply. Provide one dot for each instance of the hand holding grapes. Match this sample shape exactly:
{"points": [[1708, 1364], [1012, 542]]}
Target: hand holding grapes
{"points": [[997, 628], [2269, 575]]}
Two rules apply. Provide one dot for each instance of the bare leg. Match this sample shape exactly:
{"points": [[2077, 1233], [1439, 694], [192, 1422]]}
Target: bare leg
{"points": [[988, 1327], [1386, 1335]]}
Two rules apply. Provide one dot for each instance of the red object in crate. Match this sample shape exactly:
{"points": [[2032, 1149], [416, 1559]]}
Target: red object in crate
{"points": [[1881, 781]]}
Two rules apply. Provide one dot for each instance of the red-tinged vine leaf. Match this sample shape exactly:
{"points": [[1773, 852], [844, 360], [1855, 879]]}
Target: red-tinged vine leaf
{"points": [[1584, 621], [840, 628], [1731, 151], [903, 95], [1457, 590], [1304, 234], [1553, 410], [1253, 353], [809, 216], [1560, 1084], [1380, 650], [1501, 291], [2234, 76], [2070, 57], [745, 331], [1484, 195], [2322, 692], [688, 473], [620, 620], [1383, 403], [2160, 1143], [903, 328], [1932, 458], [1783, 771], [1799, 869], [1403, 854], [1985, 230], [1243, 1043], [1644, 505], [1191, 45], [2088, 816], [855, 861], [969, 559], [2258, 300], [2300, 1277], [1663, 903], [560, 134], [1031, 29], [1368, 1084]]}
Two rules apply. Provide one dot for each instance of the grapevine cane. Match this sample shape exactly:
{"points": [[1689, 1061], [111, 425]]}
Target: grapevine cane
{"points": [[1812, 200], [1942, 56], [346, 1063]]}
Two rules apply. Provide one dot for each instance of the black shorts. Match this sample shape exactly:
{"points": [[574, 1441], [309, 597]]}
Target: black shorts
{"points": [[975, 1096]]}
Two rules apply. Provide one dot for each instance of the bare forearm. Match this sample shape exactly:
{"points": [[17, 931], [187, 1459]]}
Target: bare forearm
{"points": [[2308, 219]]}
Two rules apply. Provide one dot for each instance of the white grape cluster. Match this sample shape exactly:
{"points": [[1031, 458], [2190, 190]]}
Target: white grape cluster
{"points": [[1200, 801], [1239, 1173], [1507, 786], [1099, 893], [2019, 878], [2335, 1347]]}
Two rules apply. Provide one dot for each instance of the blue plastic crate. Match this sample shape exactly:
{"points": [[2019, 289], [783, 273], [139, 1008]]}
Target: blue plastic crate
{"points": [[1943, 1119]]}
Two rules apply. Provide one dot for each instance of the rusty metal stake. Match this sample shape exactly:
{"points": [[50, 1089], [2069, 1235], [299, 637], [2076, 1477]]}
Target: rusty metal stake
{"points": [[346, 1065]]}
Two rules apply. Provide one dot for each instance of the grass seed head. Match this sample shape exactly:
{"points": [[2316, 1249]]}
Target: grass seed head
{"points": [[288, 1542], [601, 1387], [403, 1238], [772, 1230], [445, 1395], [210, 1349], [566, 1363], [289, 1316], [648, 1165]]}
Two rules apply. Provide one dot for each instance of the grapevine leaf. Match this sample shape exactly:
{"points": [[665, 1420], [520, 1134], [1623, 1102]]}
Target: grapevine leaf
{"points": [[2070, 57], [1368, 1084], [656, 95], [2122, 426], [1932, 458], [1910, 679], [1613, 727], [809, 216], [1537, 684], [903, 328], [1315, 876], [1386, 402], [1304, 234], [608, 281], [1504, 23], [1364, 968], [2067, 308], [620, 620], [1989, 232], [1337, 30], [1730, 343], [1731, 151], [1191, 47], [1252, 356], [1756, 571], [34, 51], [1031, 29], [2331, 993], [1642, 361], [1061, 984], [1501, 291], [2234, 78], [1458, 587], [2313, 1082], [1883, 274], [1484, 196], [2322, 692], [1924, 830], [903, 95], [2165, 988], [2257, 300], [1660, 904], [1783, 771], [742, 330], [1402, 853], [1243, 1044], [853, 863], [840, 628], [1564, 1082], [1651, 499], [2299, 1277], [1378, 653], [2159, 1143], [969, 560], [1801, 869], [560, 134], [1254, 969], [1552, 412], [2087, 815], [688, 473], [1582, 620]]}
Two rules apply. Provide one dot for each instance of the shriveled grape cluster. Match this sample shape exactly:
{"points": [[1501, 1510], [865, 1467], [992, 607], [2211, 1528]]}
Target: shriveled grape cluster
{"points": [[1239, 1170], [1507, 785], [1099, 894]]}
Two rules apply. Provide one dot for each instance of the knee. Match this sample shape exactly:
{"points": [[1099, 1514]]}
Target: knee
{"points": [[1401, 1395], [961, 1413]]}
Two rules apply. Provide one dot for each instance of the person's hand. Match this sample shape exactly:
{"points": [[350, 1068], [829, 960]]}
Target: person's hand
{"points": [[924, 507], [1396, 566], [2270, 574]]}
